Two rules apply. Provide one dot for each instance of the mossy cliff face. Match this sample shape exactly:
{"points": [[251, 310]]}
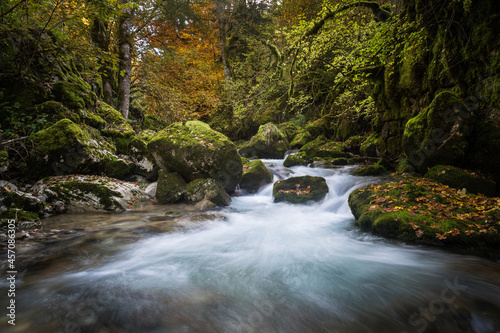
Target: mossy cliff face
{"points": [[423, 211], [439, 134], [455, 47], [195, 151]]}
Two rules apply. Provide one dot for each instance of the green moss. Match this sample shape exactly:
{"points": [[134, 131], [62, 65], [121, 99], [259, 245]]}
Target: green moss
{"points": [[92, 119], [62, 134], [115, 167], [340, 161], [422, 211], [293, 160], [121, 139], [171, 187], [290, 129], [19, 215], [321, 147], [370, 170], [112, 117], [300, 139], [73, 95], [210, 189], [153, 122], [459, 178], [255, 175], [369, 146], [4, 160], [317, 128], [269, 142], [300, 189], [74, 190], [404, 166], [195, 151]]}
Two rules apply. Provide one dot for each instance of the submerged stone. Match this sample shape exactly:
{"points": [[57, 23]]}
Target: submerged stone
{"points": [[300, 189]]}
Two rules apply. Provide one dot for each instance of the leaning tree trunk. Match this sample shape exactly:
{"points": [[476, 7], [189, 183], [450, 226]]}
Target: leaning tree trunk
{"points": [[125, 58]]}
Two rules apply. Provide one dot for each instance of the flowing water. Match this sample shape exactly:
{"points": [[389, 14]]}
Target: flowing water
{"points": [[255, 266]]}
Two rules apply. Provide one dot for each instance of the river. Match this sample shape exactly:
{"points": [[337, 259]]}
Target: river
{"points": [[255, 266]]}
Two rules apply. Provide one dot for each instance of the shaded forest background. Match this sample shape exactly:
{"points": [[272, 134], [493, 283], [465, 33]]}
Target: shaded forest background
{"points": [[370, 70]]}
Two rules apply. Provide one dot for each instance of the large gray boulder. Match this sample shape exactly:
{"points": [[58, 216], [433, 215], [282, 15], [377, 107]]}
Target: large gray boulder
{"points": [[194, 151], [78, 193]]}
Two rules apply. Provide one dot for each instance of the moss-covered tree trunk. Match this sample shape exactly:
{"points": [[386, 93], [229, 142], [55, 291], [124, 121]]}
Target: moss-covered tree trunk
{"points": [[221, 17], [125, 57], [100, 37]]}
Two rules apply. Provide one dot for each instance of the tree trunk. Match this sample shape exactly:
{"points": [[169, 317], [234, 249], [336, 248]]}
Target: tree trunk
{"points": [[125, 58], [101, 40], [220, 9]]}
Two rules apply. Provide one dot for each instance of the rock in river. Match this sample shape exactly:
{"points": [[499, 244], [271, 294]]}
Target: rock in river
{"points": [[194, 151], [300, 189]]}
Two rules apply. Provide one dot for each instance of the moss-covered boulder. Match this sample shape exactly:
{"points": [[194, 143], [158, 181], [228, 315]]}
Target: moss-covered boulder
{"points": [[79, 193], [438, 134], [24, 220], [153, 122], [459, 179], [300, 189], [293, 160], [194, 151], [255, 175], [207, 189], [290, 129], [353, 144], [66, 148], [370, 170], [170, 188], [113, 118], [317, 128], [4, 161], [300, 139], [423, 211], [321, 147], [12, 198], [269, 142], [340, 161], [75, 95]]}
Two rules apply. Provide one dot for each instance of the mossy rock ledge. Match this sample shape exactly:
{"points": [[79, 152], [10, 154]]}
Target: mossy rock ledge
{"points": [[66, 148], [459, 179], [79, 193], [423, 211], [269, 142], [255, 175], [194, 151], [300, 189]]}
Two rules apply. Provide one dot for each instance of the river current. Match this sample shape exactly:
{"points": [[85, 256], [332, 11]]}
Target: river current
{"points": [[255, 266]]}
